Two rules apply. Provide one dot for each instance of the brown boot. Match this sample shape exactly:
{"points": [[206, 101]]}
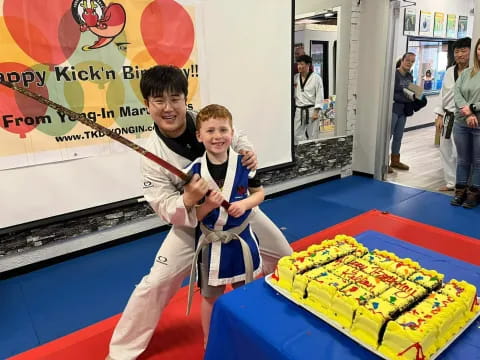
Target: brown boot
{"points": [[390, 170], [459, 197], [395, 162], [472, 199]]}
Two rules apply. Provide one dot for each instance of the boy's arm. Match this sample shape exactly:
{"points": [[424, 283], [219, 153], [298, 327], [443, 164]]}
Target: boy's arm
{"points": [[238, 208], [257, 195]]}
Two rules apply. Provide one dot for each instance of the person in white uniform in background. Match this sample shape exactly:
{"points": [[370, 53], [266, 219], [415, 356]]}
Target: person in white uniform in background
{"points": [[165, 90], [308, 91], [445, 112]]}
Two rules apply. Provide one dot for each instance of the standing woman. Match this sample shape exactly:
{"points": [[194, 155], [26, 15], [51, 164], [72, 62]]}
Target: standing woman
{"points": [[401, 96], [466, 134]]}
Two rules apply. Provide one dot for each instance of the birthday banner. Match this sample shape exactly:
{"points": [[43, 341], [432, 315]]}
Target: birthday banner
{"points": [[87, 55]]}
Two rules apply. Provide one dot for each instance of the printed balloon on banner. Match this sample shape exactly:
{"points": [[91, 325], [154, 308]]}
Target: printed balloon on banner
{"points": [[72, 97], [20, 114], [45, 30], [168, 32], [96, 104], [142, 60]]}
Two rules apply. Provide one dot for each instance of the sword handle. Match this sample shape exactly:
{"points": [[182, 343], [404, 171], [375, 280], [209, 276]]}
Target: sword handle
{"points": [[225, 204], [188, 177]]}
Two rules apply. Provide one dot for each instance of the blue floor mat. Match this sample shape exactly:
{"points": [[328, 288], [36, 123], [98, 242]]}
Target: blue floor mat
{"points": [[71, 295], [363, 193], [16, 329], [435, 209], [302, 215]]}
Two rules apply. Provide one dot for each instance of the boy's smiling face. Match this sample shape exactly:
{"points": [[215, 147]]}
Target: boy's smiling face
{"points": [[216, 135]]}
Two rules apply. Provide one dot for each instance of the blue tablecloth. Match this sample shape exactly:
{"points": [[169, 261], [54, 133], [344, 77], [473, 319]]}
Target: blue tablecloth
{"points": [[254, 322]]}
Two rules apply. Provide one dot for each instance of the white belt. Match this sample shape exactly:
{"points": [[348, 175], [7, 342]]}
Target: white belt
{"points": [[209, 236]]}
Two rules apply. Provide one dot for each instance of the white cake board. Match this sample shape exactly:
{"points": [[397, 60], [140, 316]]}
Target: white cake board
{"points": [[347, 332]]}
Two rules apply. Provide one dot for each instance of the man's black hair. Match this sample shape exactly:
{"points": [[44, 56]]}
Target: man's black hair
{"points": [[465, 42], [163, 78], [304, 58]]}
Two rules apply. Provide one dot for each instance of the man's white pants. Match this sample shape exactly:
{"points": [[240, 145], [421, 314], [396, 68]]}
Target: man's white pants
{"points": [[172, 265], [448, 155], [305, 131]]}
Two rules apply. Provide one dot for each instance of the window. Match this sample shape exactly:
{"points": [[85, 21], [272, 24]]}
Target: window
{"points": [[431, 62]]}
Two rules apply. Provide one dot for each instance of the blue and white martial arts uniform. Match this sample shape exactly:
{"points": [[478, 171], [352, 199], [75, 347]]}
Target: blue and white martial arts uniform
{"points": [[226, 265]]}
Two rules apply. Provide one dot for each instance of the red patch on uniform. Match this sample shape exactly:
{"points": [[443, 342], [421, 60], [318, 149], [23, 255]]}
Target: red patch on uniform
{"points": [[241, 190]]}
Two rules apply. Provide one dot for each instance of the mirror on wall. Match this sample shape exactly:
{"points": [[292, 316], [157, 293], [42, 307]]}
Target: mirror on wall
{"points": [[315, 35]]}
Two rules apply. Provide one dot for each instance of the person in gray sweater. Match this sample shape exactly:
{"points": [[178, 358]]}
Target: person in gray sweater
{"points": [[466, 133]]}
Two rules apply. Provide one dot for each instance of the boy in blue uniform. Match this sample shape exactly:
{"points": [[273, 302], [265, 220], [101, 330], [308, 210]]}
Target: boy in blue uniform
{"points": [[221, 262]]}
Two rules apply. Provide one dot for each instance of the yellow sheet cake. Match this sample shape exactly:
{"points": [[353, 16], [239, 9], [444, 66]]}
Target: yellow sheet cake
{"points": [[389, 303]]}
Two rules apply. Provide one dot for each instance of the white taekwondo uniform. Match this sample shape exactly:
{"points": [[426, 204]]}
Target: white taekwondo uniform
{"points": [[163, 191], [308, 96], [448, 152]]}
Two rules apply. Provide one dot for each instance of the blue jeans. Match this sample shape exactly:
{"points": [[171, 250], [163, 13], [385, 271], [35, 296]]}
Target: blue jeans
{"points": [[398, 125], [467, 141]]}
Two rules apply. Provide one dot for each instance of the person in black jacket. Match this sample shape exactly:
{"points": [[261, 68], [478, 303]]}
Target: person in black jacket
{"points": [[402, 107]]}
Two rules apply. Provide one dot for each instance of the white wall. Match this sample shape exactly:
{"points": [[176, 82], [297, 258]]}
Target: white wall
{"points": [[249, 71], [371, 68], [458, 7], [307, 35]]}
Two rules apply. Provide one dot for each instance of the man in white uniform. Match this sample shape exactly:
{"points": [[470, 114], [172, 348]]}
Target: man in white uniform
{"points": [[308, 91], [445, 112], [165, 89]]}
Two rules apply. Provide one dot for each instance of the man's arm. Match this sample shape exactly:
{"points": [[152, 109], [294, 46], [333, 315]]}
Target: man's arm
{"points": [[319, 95], [164, 193], [241, 142], [241, 145], [439, 109], [212, 201]]}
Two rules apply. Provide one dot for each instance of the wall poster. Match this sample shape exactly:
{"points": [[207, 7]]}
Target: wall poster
{"points": [[410, 22], [451, 26], [462, 26], [439, 25], [426, 24]]}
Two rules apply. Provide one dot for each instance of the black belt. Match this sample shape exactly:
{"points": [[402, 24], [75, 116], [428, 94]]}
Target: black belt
{"points": [[448, 120], [304, 113]]}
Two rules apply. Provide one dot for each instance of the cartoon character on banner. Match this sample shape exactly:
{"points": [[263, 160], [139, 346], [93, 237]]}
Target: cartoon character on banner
{"points": [[107, 22]]}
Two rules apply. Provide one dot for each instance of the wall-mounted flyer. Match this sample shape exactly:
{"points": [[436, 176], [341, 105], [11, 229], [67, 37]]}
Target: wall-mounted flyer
{"points": [[439, 25], [410, 22], [452, 26], [462, 26], [426, 24]]}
